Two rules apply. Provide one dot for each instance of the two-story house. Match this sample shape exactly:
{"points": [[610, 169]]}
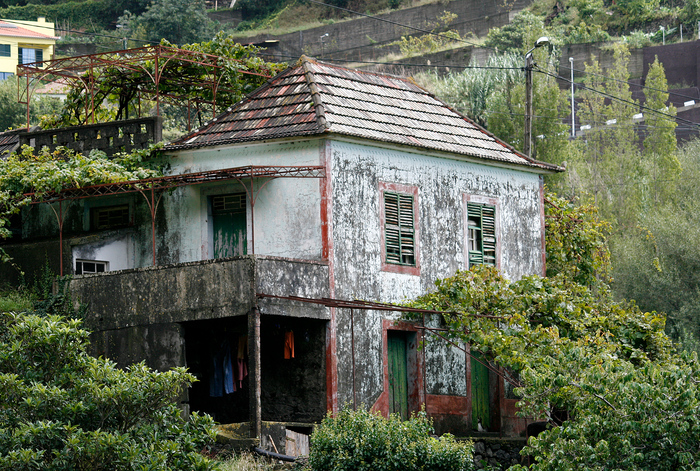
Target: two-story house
{"points": [[24, 42], [245, 262]]}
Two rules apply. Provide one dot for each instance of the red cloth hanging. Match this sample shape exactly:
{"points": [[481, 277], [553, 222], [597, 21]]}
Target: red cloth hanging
{"points": [[288, 345]]}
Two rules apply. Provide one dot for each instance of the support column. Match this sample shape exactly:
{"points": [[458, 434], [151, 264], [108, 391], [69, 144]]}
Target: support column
{"points": [[254, 371]]}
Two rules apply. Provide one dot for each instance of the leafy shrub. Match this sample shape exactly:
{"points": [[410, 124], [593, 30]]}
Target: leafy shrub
{"points": [[364, 440], [62, 409]]}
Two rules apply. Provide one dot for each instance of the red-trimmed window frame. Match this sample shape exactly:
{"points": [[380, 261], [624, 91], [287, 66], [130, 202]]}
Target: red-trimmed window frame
{"points": [[411, 190], [482, 200]]}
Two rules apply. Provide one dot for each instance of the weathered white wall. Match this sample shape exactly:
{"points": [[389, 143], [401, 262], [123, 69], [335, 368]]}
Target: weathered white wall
{"points": [[357, 171], [287, 210]]}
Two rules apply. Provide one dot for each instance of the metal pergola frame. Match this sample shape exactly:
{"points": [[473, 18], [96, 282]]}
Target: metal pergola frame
{"points": [[245, 175], [151, 67]]}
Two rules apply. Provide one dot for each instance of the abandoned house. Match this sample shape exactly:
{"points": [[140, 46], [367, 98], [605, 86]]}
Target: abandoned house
{"points": [[246, 262]]}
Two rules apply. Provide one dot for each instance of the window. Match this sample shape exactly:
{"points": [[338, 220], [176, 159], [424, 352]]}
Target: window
{"points": [[399, 234], [27, 55], [481, 234], [109, 217], [5, 50], [5, 75], [85, 267]]}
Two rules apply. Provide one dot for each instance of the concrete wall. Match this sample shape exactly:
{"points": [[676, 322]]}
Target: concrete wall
{"points": [[441, 185], [112, 137], [287, 217]]}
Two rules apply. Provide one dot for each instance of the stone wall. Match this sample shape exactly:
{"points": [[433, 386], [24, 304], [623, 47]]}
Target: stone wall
{"points": [[497, 453], [368, 39]]}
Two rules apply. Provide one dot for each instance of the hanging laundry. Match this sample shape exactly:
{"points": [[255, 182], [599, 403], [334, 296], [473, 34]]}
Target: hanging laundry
{"points": [[288, 345], [229, 385], [221, 374], [242, 346]]}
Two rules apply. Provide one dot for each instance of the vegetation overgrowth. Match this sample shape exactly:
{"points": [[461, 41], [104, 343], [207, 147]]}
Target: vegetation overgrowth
{"points": [[61, 408], [364, 440], [616, 392]]}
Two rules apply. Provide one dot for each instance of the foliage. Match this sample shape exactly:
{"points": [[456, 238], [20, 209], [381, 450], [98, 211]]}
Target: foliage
{"points": [[428, 43], [662, 165], [174, 20], [364, 440], [575, 239], [658, 265], [85, 14], [114, 85], [515, 36], [603, 372], [14, 115], [45, 172], [469, 91], [63, 409]]}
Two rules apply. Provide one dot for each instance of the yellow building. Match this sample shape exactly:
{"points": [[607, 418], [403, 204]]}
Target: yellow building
{"points": [[24, 42]]}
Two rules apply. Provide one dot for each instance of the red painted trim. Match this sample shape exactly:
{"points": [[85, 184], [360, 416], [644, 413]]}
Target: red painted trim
{"points": [[408, 190], [448, 405], [328, 254], [542, 223], [467, 198], [416, 396]]}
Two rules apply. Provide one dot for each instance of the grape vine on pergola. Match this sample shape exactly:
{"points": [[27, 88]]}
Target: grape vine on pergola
{"points": [[159, 73]]}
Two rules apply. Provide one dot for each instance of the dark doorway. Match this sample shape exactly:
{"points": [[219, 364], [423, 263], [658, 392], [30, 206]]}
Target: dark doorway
{"points": [[216, 352], [293, 364]]}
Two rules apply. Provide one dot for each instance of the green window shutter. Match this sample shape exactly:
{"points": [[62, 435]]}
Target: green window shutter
{"points": [[39, 55], [481, 234], [399, 233], [20, 55]]}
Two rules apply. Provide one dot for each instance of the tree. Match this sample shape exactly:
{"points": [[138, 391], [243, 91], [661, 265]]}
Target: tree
{"points": [[115, 85], [174, 20], [662, 165], [14, 115], [63, 409], [603, 373]]}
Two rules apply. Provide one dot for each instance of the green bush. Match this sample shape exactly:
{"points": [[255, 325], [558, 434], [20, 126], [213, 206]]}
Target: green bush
{"points": [[364, 440], [61, 409]]}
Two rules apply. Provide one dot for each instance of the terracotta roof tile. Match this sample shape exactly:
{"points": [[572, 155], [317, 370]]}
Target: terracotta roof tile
{"points": [[352, 103], [11, 29]]}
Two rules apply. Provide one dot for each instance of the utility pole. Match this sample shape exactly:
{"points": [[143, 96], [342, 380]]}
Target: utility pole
{"points": [[573, 116], [529, 64]]}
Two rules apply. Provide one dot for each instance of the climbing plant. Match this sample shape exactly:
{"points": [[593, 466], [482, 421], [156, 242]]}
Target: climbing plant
{"points": [[42, 172]]}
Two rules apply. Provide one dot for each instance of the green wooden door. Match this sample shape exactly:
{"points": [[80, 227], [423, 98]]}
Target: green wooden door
{"points": [[398, 374], [480, 393], [229, 224]]}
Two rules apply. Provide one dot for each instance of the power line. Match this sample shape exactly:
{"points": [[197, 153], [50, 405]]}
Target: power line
{"points": [[622, 100], [629, 83], [397, 24], [403, 64]]}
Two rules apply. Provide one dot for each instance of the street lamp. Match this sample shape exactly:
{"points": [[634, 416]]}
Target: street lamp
{"points": [[529, 64], [322, 38]]}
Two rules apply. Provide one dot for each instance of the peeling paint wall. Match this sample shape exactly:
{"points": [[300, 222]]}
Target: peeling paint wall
{"points": [[286, 216], [442, 184]]}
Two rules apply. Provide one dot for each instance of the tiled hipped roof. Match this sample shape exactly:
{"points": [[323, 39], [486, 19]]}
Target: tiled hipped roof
{"points": [[314, 98]]}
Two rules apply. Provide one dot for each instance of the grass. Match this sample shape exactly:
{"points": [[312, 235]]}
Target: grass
{"points": [[246, 462], [302, 17], [16, 300]]}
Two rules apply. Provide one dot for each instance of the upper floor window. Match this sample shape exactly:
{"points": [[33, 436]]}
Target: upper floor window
{"points": [[109, 217], [29, 55], [5, 50], [481, 234], [400, 231], [399, 234]]}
